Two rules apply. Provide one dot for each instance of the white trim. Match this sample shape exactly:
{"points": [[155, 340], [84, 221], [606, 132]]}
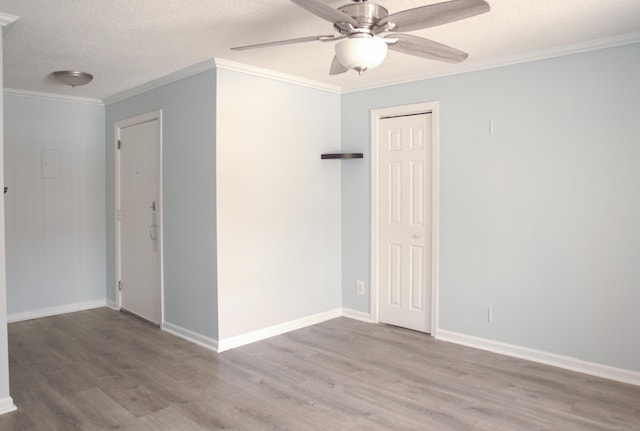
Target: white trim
{"points": [[356, 315], [276, 76], [116, 211], [7, 405], [194, 337], [162, 81], [112, 305], [435, 220], [543, 54], [281, 328], [7, 19], [219, 63], [52, 97], [150, 116], [376, 116], [53, 311], [540, 356]]}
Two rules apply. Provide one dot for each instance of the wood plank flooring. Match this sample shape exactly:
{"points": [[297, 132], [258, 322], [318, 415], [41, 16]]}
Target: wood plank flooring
{"points": [[100, 369]]}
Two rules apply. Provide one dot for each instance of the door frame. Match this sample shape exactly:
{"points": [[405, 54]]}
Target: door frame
{"points": [[128, 122], [376, 116]]}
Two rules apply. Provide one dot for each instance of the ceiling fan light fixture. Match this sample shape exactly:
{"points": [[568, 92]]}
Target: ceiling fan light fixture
{"points": [[361, 53], [72, 77]]}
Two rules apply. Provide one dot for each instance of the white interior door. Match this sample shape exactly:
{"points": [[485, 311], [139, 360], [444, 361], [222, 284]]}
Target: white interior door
{"points": [[139, 219], [405, 222]]}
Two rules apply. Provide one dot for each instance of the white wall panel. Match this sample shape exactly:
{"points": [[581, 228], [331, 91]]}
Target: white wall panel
{"points": [[278, 208]]}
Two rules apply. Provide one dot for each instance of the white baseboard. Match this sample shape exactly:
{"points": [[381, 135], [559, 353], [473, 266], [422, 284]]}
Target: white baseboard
{"points": [[112, 305], [52, 311], [6, 405], [540, 356], [357, 315], [271, 331], [194, 337]]}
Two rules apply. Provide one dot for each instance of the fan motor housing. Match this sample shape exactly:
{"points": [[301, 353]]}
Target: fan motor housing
{"points": [[367, 14]]}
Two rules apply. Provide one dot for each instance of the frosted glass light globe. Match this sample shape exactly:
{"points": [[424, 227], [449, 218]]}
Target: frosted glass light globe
{"points": [[361, 53]]}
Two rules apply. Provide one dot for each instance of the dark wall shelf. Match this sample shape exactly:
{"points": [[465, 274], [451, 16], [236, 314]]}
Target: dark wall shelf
{"points": [[342, 156]]}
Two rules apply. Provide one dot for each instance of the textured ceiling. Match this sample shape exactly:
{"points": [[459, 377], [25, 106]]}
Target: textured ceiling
{"points": [[127, 43]]}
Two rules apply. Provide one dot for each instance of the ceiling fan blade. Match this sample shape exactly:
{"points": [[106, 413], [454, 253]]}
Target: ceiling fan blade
{"points": [[425, 48], [336, 67], [285, 42], [435, 14], [325, 11]]}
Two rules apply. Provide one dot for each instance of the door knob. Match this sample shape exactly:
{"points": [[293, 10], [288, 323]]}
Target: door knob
{"points": [[416, 235], [153, 232]]}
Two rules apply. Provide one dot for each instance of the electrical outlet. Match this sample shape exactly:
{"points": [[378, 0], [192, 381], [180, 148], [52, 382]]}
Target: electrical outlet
{"points": [[360, 287]]}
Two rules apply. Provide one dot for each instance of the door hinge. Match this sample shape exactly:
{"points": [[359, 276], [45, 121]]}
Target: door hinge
{"points": [[120, 285], [119, 215], [119, 143]]}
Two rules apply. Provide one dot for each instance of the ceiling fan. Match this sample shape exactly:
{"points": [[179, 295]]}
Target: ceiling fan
{"points": [[365, 31]]}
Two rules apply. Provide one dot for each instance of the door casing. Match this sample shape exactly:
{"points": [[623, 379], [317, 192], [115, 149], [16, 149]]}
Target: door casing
{"points": [[376, 116], [151, 116]]}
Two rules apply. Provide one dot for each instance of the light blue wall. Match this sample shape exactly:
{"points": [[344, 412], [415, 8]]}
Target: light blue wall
{"points": [[189, 197], [55, 239], [538, 221]]}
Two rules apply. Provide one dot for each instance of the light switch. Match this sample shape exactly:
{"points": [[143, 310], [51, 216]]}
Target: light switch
{"points": [[50, 163]]}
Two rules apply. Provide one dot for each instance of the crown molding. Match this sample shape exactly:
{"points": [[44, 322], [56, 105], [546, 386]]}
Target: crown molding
{"points": [[576, 48], [6, 19], [52, 97], [278, 76], [610, 42], [162, 81], [218, 63]]}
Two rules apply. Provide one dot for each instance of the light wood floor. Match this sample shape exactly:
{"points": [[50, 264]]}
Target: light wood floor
{"points": [[101, 369]]}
